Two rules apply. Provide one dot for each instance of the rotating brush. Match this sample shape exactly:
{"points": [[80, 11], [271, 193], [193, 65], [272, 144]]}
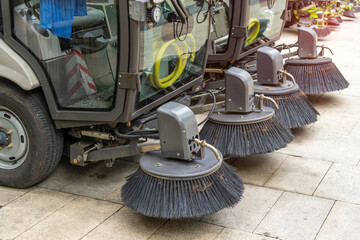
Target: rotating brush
{"points": [[241, 128], [349, 9], [313, 72], [295, 110], [187, 178], [320, 27]]}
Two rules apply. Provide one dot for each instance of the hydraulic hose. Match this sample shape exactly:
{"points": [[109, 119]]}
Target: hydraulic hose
{"points": [[181, 48], [253, 30]]}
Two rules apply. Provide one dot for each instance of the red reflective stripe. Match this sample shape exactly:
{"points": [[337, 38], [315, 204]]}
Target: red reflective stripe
{"points": [[84, 69], [92, 86], [75, 88], [72, 53], [71, 73]]}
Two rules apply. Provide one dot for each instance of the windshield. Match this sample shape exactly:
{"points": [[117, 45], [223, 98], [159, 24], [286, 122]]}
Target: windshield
{"points": [[264, 24], [172, 52]]}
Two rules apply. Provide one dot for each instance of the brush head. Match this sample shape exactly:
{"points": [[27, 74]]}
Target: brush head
{"points": [[333, 21], [240, 135], [316, 76], [295, 110], [349, 13], [322, 32], [340, 20], [173, 189]]}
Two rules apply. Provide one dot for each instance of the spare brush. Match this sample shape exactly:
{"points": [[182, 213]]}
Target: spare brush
{"points": [[294, 110], [313, 72], [241, 128], [187, 178]]}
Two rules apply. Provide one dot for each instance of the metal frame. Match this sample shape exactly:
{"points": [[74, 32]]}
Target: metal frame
{"points": [[235, 43], [128, 62], [235, 50]]}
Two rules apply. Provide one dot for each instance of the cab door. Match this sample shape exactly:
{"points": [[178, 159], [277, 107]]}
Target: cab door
{"points": [[76, 48]]}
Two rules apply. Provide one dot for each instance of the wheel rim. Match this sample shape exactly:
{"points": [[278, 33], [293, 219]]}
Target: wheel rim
{"points": [[15, 149]]}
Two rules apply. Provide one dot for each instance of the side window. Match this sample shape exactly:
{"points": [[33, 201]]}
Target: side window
{"points": [[265, 20], [76, 41], [1, 20]]}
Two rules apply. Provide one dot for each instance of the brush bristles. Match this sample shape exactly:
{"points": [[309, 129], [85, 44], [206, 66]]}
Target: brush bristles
{"points": [[245, 140], [175, 199], [295, 110], [315, 79], [340, 20], [333, 21], [322, 32], [349, 14]]}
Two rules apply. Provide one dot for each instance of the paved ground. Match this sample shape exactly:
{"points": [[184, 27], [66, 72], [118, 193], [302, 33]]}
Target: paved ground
{"points": [[309, 190]]}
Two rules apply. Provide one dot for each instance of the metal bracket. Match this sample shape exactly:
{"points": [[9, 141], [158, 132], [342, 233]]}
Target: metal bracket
{"points": [[286, 15], [138, 10], [129, 81], [239, 31]]}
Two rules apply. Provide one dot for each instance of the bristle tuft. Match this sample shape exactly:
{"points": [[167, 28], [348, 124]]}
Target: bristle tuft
{"points": [[295, 110], [245, 140], [175, 199], [315, 79]]}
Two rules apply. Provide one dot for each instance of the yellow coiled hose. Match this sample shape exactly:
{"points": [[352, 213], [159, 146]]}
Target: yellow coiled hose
{"points": [[253, 30], [181, 49]]}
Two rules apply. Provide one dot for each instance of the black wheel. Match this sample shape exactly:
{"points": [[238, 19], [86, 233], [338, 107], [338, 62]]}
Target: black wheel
{"points": [[30, 145]]}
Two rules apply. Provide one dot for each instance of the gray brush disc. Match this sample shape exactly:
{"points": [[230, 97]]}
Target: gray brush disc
{"points": [[287, 88], [154, 164], [225, 118], [307, 62]]}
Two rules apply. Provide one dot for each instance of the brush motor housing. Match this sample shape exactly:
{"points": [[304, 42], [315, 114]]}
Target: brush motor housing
{"points": [[307, 43], [239, 91], [270, 63], [177, 128]]}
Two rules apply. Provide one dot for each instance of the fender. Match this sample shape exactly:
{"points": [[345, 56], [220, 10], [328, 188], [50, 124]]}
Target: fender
{"points": [[16, 69]]}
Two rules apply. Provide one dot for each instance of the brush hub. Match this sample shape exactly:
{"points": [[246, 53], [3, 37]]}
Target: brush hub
{"points": [[287, 88], [227, 118], [309, 61], [154, 164]]}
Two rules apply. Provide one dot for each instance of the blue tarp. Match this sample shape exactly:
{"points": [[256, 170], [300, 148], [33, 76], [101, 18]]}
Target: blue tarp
{"points": [[58, 15]]}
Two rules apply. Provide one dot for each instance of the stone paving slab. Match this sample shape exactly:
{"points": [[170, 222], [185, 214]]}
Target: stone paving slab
{"points": [[101, 182], [247, 214], [233, 234], [72, 221], [257, 169], [26, 211], [355, 132], [295, 217], [297, 174], [329, 122], [317, 144], [186, 229], [125, 225], [65, 174], [341, 183], [8, 195], [334, 103], [342, 223]]}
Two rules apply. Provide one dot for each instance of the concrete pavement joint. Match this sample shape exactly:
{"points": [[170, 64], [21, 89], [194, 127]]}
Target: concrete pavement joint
{"points": [[268, 213], [325, 219], [332, 163], [122, 206]]}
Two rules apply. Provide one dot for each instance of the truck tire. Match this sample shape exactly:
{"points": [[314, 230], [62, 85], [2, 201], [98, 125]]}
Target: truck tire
{"points": [[33, 146]]}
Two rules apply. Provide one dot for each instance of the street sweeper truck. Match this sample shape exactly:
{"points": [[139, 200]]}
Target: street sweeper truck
{"points": [[95, 80]]}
